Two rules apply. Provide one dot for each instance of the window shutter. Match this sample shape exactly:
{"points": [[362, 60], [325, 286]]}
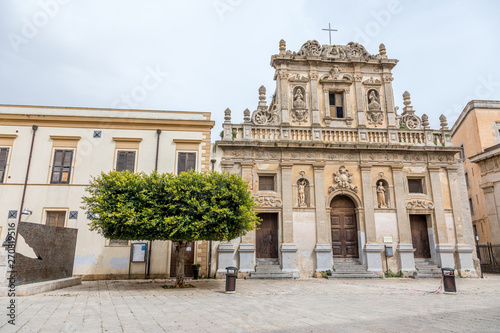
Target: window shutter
{"points": [[191, 161], [61, 216], [66, 167], [181, 162], [56, 168], [130, 161], [3, 162], [121, 161]]}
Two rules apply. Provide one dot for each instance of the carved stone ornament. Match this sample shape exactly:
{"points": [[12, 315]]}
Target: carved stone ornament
{"points": [[350, 51], [298, 78], [423, 204], [263, 116], [375, 117], [343, 178], [408, 118], [299, 111], [267, 201]]}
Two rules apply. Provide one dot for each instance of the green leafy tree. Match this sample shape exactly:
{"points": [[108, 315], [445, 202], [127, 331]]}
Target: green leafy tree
{"points": [[188, 207]]}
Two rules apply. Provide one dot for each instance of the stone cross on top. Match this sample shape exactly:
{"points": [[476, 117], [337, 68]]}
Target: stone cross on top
{"points": [[329, 32]]}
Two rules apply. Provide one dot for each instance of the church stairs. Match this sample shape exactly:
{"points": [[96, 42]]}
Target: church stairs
{"points": [[350, 269], [426, 269], [269, 269]]}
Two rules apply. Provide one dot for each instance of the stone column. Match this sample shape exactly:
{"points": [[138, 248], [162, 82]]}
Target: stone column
{"points": [[246, 249], [324, 259], [464, 249], [444, 250], [315, 118], [405, 247], [288, 247], [372, 249]]}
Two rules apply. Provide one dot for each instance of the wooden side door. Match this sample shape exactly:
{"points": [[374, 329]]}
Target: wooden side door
{"points": [[188, 260], [420, 236], [267, 236]]}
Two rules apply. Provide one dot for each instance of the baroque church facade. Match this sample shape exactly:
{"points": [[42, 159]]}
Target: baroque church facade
{"points": [[342, 181]]}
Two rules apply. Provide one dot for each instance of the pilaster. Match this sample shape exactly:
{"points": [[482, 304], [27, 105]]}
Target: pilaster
{"points": [[437, 197], [287, 199], [322, 229], [315, 118], [358, 86], [404, 229], [366, 180]]}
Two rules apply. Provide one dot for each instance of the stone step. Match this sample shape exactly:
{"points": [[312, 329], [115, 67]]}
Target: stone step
{"points": [[270, 269], [267, 260], [364, 275], [276, 275], [428, 276]]}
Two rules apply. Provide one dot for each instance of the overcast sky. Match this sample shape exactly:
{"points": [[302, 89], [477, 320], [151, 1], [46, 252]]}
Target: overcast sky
{"points": [[210, 55]]}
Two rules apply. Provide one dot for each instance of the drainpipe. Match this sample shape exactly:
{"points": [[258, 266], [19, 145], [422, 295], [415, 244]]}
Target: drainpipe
{"points": [[34, 127], [210, 243], [158, 132]]}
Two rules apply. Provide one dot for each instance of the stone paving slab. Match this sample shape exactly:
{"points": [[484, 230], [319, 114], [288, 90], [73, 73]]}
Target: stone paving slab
{"points": [[303, 305]]}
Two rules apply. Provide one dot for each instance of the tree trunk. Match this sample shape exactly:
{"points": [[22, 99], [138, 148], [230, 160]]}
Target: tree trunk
{"points": [[179, 263]]}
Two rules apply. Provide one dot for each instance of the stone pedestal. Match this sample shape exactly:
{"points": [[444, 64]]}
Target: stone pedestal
{"points": [[445, 255], [324, 258], [465, 260], [288, 259], [406, 258], [247, 258], [373, 257], [225, 256]]}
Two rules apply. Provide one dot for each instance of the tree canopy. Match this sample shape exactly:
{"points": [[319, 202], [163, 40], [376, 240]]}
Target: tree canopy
{"points": [[190, 206]]}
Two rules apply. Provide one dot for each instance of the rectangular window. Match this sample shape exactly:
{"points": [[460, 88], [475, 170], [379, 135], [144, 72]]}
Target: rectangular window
{"points": [[266, 183], [461, 154], [467, 179], [415, 185], [4, 153], [118, 242], [336, 105], [61, 169], [186, 162], [56, 218], [125, 161], [471, 205]]}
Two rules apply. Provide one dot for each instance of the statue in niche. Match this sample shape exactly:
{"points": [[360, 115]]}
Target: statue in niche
{"points": [[373, 103], [298, 99], [381, 195], [301, 192]]}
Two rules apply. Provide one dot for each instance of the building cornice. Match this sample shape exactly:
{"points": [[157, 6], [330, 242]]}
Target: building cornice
{"points": [[473, 105]]}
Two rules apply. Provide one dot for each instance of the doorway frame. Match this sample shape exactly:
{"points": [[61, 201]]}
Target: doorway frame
{"points": [[360, 219]]}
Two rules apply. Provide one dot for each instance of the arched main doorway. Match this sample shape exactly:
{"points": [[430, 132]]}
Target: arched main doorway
{"points": [[344, 228]]}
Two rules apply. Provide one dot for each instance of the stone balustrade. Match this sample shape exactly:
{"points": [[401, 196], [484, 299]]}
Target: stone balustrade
{"points": [[416, 137]]}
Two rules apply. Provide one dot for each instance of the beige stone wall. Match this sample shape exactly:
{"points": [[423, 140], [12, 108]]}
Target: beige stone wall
{"points": [[94, 257]]}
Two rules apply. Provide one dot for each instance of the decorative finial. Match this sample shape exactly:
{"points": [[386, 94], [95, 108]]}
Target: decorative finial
{"points": [[425, 120], [246, 116], [382, 51], [407, 102], [444, 122], [227, 115], [262, 98], [282, 47]]}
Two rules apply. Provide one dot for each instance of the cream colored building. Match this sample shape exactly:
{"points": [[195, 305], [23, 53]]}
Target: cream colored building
{"points": [[477, 129], [339, 175], [70, 145]]}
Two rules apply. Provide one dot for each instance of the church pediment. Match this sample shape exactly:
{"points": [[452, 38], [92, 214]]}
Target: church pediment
{"points": [[350, 51]]}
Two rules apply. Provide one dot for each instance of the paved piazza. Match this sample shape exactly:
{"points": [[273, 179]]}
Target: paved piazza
{"points": [[304, 305]]}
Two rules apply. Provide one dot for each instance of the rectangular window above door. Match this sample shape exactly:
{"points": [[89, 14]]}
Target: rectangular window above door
{"points": [[61, 168]]}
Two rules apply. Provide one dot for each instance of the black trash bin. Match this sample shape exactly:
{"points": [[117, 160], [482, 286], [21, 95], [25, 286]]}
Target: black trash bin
{"points": [[231, 275], [449, 280]]}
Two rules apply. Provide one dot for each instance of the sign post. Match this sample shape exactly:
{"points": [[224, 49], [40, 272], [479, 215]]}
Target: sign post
{"points": [[138, 254]]}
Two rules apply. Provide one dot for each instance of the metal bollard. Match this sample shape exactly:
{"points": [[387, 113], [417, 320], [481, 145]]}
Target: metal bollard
{"points": [[231, 275], [449, 280]]}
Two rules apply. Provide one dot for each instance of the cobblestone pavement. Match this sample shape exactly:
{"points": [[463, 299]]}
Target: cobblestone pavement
{"points": [[304, 305]]}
